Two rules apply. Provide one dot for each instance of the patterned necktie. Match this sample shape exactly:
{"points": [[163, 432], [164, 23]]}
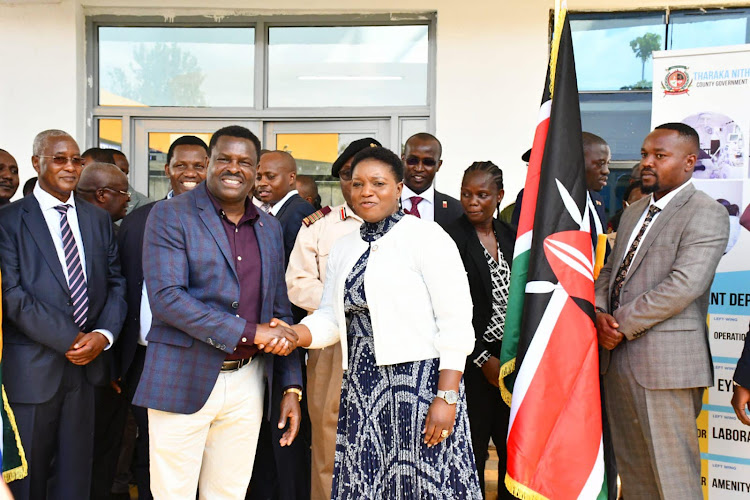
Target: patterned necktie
{"points": [[266, 207], [76, 280], [414, 206], [622, 272]]}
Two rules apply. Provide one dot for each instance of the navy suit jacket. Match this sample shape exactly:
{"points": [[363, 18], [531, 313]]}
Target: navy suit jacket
{"points": [[193, 290], [38, 325], [742, 373], [130, 243], [290, 216]]}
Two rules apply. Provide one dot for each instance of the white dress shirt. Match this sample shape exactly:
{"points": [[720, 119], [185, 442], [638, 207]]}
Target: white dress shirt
{"points": [[277, 206], [47, 204], [426, 206], [661, 204], [145, 322]]}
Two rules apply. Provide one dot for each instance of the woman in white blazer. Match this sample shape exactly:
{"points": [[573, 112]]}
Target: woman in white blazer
{"points": [[397, 298]]}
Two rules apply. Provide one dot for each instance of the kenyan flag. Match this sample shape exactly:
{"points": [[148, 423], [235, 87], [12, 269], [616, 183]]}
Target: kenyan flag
{"points": [[11, 451], [555, 445]]}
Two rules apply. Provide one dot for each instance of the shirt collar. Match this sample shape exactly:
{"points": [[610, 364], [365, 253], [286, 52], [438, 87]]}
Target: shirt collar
{"points": [[170, 194], [49, 202], [427, 195], [348, 212], [664, 200], [251, 213], [277, 206]]}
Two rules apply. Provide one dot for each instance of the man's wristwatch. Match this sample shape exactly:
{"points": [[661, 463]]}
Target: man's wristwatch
{"points": [[450, 397], [298, 392]]}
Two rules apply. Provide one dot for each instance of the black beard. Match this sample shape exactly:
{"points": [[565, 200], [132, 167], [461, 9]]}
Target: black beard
{"points": [[650, 189]]}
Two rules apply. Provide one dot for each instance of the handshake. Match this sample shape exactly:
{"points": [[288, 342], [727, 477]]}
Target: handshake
{"points": [[276, 337]]}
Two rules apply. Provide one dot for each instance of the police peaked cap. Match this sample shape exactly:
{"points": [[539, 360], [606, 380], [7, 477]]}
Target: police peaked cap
{"points": [[351, 150]]}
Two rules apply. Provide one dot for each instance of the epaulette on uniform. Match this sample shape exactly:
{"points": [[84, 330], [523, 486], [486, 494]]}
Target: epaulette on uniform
{"points": [[310, 219]]}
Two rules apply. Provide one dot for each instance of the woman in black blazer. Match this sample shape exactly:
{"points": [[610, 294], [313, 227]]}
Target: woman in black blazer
{"points": [[486, 248]]}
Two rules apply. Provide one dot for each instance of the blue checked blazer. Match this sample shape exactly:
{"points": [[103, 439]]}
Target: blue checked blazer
{"points": [[192, 286]]}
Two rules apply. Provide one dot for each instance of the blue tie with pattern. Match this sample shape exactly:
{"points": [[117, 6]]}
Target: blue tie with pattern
{"points": [[76, 280]]}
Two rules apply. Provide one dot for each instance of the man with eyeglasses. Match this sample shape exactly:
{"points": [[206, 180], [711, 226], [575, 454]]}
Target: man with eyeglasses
{"points": [[105, 186], [63, 305], [187, 160], [419, 197], [305, 275]]}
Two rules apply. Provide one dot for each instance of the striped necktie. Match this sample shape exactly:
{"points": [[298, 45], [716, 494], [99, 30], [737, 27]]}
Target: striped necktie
{"points": [[76, 280]]}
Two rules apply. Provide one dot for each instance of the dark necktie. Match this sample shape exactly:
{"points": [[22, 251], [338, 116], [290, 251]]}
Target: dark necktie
{"points": [[414, 206], [76, 280], [622, 272]]}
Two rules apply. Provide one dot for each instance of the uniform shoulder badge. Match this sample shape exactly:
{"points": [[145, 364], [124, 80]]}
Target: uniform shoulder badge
{"points": [[310, 219]]}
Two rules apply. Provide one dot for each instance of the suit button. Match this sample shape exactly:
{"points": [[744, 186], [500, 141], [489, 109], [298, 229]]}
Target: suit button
{"points": [[210, 341], [70, 302], [374, 248], [235, 304]]}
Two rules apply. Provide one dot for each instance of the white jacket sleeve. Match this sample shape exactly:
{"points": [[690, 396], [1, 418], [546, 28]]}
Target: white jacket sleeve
{"points": [[323, 323], [446, 281]]}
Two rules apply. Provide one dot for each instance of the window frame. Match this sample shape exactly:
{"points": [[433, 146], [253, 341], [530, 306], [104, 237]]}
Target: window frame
{"points": [[259, 110]]}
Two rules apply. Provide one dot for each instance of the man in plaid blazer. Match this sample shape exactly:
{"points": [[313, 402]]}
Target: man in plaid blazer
{"points": [[214, 271], [652, 301]]}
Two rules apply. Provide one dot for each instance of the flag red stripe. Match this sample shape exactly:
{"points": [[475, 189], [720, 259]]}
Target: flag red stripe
{"points": [[537, 442], [531, 188]]}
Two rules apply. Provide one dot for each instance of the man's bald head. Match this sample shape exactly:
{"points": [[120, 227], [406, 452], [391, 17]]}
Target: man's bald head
{"points": [[106, 186], [277, 175], [308, 189]]}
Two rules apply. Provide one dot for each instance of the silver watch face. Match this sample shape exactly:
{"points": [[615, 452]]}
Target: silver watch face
{"points": [[451, 397]]}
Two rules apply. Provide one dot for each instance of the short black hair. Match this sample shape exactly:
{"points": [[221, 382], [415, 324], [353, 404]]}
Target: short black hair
{"points": [[235, 131], [382, 155], [425, 136], [488, 168], [590, 139], [185, 140], [100, 155], [686, 132]]}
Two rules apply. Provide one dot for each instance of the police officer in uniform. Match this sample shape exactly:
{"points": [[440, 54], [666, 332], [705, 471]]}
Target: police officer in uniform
{"points": [[305, 275]]}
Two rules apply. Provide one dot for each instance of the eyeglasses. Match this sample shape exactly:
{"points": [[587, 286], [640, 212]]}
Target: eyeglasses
{"points": [[427, 162], [77, 161], [345, 175], [124, 193]]}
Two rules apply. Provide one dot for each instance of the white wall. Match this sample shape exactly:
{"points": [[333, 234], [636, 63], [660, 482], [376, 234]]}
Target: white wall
{"points": [[491, 63]]}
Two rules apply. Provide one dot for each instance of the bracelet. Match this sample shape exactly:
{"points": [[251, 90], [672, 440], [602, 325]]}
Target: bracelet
{"points": [[296, 391], [599, 309]]}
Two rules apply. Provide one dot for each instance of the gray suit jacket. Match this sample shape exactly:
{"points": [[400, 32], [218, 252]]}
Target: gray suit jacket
{"points": [[664, 298]]}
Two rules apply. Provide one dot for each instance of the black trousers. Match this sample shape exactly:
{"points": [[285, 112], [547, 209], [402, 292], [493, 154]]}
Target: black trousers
{"points": [[58, 439], [489, 417], [111, 410], [281, 473], [140, 460]]}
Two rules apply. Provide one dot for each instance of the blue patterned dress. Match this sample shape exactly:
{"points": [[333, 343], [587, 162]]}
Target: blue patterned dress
{"points": [[380, 453]]}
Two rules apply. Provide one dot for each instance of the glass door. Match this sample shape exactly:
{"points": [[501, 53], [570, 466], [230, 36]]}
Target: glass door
{"points": [[316, 145], [152, 139]]}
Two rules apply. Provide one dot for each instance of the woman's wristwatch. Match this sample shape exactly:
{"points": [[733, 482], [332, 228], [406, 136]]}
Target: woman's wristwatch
{"points": [[450, 397]]}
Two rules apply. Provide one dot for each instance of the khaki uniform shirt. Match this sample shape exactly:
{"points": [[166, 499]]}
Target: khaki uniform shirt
{"points": [[306, 271]]}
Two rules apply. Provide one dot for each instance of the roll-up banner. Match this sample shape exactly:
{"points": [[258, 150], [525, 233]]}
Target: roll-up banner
{"points": [[709, 89]]}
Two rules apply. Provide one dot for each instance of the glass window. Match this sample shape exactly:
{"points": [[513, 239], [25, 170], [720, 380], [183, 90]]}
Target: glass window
{"points": [[708, 28], [409, 127], [160, 66], [622, 119], [613, 51], [110, 133], [347, 66], [158, 147]]}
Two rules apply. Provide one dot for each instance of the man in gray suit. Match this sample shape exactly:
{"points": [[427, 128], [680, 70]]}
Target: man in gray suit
{"points": [[652, 301]]}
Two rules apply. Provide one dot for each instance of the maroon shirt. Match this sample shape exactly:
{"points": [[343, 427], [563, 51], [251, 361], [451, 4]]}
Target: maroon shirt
{"points": [[246, 257]]}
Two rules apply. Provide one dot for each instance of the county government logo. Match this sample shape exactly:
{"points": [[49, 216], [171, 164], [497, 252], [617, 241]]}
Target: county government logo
{"points": [[677, 81]]}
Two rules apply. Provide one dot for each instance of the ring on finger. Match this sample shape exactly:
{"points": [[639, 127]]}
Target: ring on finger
{"points": [[445, 433]]}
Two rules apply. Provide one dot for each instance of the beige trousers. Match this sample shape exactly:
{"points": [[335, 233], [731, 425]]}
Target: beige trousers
{"points": [[213, 449], [324, 374]]}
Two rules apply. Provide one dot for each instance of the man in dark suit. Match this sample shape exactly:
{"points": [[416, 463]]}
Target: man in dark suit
{"points": [[63, 304], [186, 168], [276, 185], [419, 197], [8, 177], [105, 186], [214, 274], [741, 397]]}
